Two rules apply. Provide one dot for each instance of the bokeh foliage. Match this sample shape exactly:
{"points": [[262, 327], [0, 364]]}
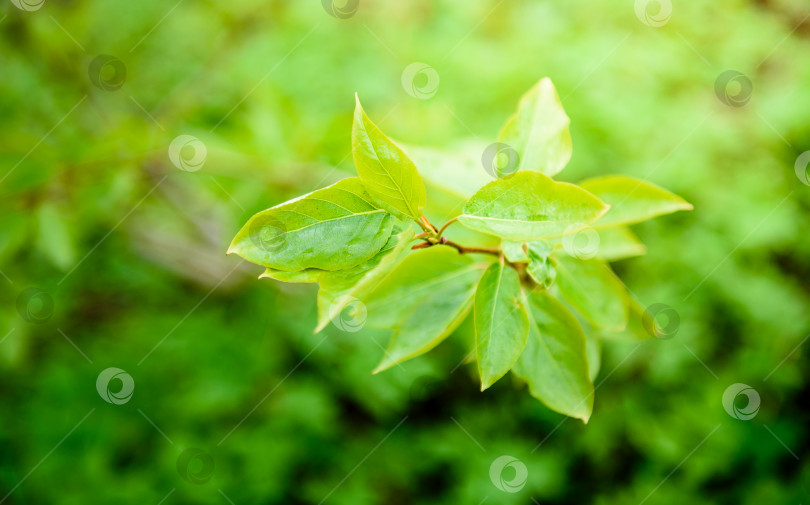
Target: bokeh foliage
{"points": [[268, 86]]}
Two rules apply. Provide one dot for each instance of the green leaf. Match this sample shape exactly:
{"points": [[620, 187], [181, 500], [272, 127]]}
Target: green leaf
{"points": [[632, 200], [435, 317], [554, 363], [593, 348], [501, 323], [538, 131], [387, 173], [333, 228], [342, 287], [530, 206], [635, 330], [303, 276], [595, 291], [514, 251], [391, 302], [541, 267], [619, 243]]}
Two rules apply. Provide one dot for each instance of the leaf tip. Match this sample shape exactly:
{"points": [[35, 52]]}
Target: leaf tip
{"points": [[384, 365]]}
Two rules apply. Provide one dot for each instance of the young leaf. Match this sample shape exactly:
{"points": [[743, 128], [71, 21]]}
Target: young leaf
{"points": [[501, 323], [388, 174], [340, 288], [333, 228], [619, 243], [554, 363], [514, 251], [595, 291], [632, 200], [435, 317], [541, 268], [303, 276], [530, 206], [538, 131]]}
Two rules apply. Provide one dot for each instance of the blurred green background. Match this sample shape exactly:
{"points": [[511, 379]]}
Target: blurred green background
{"points": [[130, 250]]}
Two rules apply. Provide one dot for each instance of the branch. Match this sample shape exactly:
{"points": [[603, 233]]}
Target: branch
{"points": [[445, 225]]}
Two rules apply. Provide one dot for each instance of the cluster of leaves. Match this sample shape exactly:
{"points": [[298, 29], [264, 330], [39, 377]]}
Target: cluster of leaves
{"points": [[540, 305]]}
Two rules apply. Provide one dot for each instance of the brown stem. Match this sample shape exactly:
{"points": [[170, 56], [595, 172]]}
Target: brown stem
{"points": [[466, 250], [445, 225], [429, 225]]}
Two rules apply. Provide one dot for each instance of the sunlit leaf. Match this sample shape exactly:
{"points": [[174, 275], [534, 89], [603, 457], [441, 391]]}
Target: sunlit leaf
{"points": [[538, 131], [632, 200], [388, 174], [333, 228], [530, 206]]}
